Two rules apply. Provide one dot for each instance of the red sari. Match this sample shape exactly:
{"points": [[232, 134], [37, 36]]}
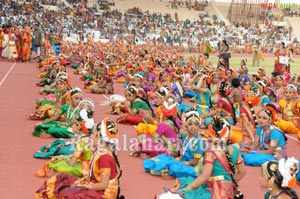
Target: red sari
{"points": [[66, 186], [26, 46]]}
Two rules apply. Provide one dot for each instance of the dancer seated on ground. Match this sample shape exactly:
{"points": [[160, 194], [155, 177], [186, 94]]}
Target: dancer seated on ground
{"points": [[225, 109], [103, 84], [223, 168], [163, 139], [134, 108], [176, 86], [138, 83], [236, 96], [279, 177], [270, 141], [53, 128], [264, 98], [290, 110], [46, 108], [48, 77], [202, 97], [150, 125], [103, 176], [190, 161], [214, 84], [53, 88], [78, 163]]}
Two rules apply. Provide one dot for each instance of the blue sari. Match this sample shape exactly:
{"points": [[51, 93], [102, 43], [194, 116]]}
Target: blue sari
{"points": [[272, 133], [165, 164]]}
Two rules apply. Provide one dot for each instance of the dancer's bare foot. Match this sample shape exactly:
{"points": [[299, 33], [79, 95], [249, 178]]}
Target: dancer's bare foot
{"points": [[166, 176], [45, 135], [144, 156], [50, 173]]}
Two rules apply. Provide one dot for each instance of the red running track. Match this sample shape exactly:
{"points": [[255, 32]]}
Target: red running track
{"points": [[17, 181]]}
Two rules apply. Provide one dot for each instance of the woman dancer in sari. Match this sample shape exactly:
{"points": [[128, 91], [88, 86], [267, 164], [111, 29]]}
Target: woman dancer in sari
{"points": [[136, 107], [279, 177], [290, 106], [224, 106], [26, 44], [223, 168], [189, 163], [46, 108], [165, 139], [102, 179], [213, 86], [203, 98], [278, 88], [225, 109], [52, 88], [103, 84], [270, 141], [76, 164], [13, 54], [53, 128], [225, 53], [281, 52], [150, 125], [162, 81]]}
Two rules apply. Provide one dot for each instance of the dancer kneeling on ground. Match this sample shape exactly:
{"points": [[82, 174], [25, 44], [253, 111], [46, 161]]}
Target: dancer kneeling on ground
{"points": [[103, 175], [223, 168]]}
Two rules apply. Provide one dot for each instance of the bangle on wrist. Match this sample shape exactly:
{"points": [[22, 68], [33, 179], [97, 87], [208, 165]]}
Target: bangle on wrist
{"points": [[188, 188], [187, 163], [192, 186]]}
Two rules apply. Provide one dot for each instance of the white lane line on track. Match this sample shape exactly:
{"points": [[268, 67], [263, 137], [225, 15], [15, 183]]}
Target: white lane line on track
{"points": [[292, 137], [6, 75], [105, 97]]}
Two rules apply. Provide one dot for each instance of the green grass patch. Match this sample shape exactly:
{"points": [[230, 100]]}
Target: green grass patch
{"points": [[267, 63]]}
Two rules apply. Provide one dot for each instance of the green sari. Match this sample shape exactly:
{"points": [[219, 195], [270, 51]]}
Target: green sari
{"points": [[58, 129]]}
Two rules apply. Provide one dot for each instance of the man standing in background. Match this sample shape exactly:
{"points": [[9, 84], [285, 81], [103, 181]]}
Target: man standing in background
{"points": [[256, 54], [37, 40]]}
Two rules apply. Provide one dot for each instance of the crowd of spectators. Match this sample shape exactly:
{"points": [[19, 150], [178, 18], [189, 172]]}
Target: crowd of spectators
{"points": [[288, 12], [192, 5], [141, 26]]}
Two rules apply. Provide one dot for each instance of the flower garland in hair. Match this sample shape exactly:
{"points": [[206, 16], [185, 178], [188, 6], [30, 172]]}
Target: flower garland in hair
{"points": [[109, 132], [169, 106], [88, 123], [288, 168], [271, 112], [219, 127]]}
